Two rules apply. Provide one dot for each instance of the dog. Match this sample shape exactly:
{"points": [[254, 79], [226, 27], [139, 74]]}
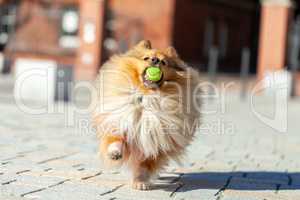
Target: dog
{"points": [[145, 115]]}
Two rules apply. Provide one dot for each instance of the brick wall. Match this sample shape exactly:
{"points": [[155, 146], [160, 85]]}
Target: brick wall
{"points": [[38, 31], [137, 19]]}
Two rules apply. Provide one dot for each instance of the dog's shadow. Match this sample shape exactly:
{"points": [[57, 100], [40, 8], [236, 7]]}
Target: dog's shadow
{"points": [[250, 181]]}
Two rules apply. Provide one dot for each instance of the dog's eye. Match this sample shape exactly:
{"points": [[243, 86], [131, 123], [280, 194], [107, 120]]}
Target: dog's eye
{"points": [[163, 62], [146, 58]]}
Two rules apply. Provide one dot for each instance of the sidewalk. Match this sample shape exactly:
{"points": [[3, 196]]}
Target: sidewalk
{"points": [[245, 159]]}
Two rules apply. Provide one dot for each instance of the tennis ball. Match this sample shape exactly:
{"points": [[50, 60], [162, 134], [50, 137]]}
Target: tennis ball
{"points": [[153, 74]]}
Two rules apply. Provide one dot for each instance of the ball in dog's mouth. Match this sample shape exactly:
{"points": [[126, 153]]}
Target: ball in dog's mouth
{"points": [[152, 77]]}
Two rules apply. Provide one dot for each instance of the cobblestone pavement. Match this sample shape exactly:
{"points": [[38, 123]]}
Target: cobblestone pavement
{"points": [[235, 157]]}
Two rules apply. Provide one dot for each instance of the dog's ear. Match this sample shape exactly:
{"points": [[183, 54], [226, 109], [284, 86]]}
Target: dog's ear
{"points": [[171, 52], [139, 48], [144, 44]]}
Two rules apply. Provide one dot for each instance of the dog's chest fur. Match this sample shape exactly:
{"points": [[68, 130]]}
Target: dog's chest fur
{"points": [[155, 124]]}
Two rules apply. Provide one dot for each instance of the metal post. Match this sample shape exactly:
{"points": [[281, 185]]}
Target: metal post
{"points": [[245, 64], [294, 54], [213, 64], [294, 70]]}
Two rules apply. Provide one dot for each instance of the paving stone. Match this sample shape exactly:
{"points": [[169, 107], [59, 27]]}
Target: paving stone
{"points": [[252, 195], [38, 181], [244, 183], [163, 191], [18, 190], [12, 197], [71, 191], [200, 187], [269, 177], [289, 192]]}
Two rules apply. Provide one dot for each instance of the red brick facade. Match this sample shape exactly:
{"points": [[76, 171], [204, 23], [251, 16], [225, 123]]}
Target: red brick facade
{"points": [[37, 32], [191, 26]]}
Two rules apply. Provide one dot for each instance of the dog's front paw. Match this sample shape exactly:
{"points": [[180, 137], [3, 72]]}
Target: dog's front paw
{"points": [[138, 185], [115, 155], [115, 151]]}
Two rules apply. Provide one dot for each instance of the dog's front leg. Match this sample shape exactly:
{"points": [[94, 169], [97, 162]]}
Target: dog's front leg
{"points": [[113, 149]]}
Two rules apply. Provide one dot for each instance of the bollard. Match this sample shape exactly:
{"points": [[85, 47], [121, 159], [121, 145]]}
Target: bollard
{"points": [[213, 65], [63, 83], [245, 64], [293, 54], [294, 70]]}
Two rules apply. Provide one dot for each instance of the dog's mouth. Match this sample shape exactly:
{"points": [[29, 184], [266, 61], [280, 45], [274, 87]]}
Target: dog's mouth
{"points": [[153, 77]]}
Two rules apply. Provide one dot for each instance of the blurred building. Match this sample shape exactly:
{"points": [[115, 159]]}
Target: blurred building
{"points": [[50, 30], [40, 30], [81, 34]]}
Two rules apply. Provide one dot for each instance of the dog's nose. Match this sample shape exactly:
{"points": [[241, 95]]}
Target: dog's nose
{"points": [[155, 61]]}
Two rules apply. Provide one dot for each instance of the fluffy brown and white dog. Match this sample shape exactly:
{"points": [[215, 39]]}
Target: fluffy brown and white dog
{"points": [[142, 123]]}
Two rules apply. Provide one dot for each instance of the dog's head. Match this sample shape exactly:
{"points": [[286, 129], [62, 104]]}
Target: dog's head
{"points": [[154, 66]]}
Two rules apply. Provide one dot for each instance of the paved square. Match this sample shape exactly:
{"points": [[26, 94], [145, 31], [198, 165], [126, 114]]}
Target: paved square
{"points": [[43, 158]]}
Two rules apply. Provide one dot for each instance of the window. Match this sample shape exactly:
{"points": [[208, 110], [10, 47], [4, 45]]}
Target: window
{"points": [[7, 23], [69, 28]]}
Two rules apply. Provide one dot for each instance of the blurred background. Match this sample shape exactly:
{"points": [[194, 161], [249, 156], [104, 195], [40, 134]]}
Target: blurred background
{"points": [[225, 39]]}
